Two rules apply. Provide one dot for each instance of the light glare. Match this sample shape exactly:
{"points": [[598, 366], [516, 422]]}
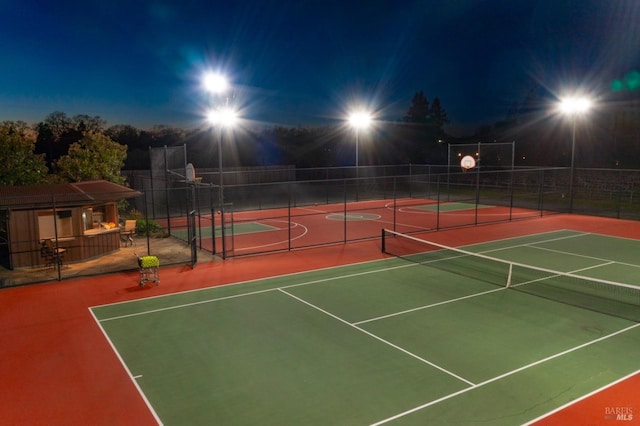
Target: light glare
{"points": [[575, 105], [360, 120], [215, 83], [225, 117]]}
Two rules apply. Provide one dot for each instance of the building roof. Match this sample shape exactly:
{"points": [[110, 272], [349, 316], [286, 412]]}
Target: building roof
{"points": [[62, 195]]}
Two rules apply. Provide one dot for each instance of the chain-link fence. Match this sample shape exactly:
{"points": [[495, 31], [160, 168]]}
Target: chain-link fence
{"points": [[265, 210], [52, 238]]}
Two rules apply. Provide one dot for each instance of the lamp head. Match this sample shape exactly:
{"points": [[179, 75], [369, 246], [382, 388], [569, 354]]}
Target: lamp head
{"points": [[215, 83], [360, 119], [224, 117], [575, 105]]}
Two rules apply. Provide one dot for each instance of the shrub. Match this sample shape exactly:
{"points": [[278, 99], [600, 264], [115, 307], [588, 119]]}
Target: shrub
{"points": [[148, 227]]}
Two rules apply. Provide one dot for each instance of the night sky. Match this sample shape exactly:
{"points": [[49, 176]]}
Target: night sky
{"points": [[303, 63]]}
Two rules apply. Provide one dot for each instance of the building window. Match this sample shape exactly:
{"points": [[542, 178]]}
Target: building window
{"points": [[49, 224], [99, 217]]}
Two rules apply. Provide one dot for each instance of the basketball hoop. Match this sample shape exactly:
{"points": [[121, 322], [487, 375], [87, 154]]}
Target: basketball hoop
{"points": [[468, 162], [190, 173]]}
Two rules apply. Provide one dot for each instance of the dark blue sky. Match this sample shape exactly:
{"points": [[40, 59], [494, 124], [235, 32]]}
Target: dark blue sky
{"points": [[304, 62]]}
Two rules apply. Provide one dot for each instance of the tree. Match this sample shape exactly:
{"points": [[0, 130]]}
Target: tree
{"points": [[419, 111], [125, 135], [20, 165], [55, 125], [167, 135], [57, 132], [86, 124], [95, 156], [422, 129], [438, 114]]}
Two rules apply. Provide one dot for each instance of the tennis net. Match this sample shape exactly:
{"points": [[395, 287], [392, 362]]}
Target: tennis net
{"points": [[604, 296]]}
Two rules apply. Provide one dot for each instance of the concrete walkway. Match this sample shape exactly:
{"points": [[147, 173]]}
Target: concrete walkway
{"points": [[170, 251]]}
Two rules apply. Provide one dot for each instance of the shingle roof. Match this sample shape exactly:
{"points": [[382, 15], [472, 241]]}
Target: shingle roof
{"points": [[67, 194]]}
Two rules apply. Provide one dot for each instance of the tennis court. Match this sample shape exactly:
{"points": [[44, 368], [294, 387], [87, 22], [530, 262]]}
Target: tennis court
{"points": [[501, 332]]}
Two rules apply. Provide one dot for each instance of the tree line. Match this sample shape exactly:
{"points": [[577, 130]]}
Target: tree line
{"points": [[82, 147], [92, 155], [70, 149]]}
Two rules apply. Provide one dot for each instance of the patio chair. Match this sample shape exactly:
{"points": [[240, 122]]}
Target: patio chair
{"points": [[52, 255], [127, 232]]}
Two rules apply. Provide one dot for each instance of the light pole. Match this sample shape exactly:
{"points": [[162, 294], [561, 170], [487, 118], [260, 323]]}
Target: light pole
{"points": [[359, 120], [220, 117], [574, 107]]}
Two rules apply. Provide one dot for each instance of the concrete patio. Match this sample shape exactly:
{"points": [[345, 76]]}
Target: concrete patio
{"points": [[170, 251]]}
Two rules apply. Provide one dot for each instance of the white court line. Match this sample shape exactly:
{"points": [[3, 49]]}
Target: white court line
{"points": [[532, 244], [339, 205], [517, 237], [386, 342], [433, 305], [251, 293], [131, 376], [469, 296], [238, 283], [200, 302], [585, 256], [305, 283], [260, 223], [502, 376], [329, 268], [295, 225], [575, 401], [329, 279]]}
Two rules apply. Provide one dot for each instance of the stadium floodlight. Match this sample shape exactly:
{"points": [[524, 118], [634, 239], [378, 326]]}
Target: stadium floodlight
{"points": [[574, 107], [215, 83], [223, 117], [359, 120]]}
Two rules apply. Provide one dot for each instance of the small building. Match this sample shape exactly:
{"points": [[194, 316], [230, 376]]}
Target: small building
{"points": [[79, 218]]}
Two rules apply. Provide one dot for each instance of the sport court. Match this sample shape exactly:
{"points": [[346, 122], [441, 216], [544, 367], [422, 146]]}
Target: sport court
{"points": [[430, 336], [259, 231]]}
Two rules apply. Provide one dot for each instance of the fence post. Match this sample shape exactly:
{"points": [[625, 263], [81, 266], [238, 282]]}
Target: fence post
{"points": [[541, 193], [438, 199], [192, 243], [213, 219], [395, 206], [289, 216], [55, 233], [511, 185], [146, 226], [344, 216]]}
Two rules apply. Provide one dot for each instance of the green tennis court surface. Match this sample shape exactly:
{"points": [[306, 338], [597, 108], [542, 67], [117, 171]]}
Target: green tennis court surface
{"points": [[451, 207], [238, 229], [393, 341]]}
